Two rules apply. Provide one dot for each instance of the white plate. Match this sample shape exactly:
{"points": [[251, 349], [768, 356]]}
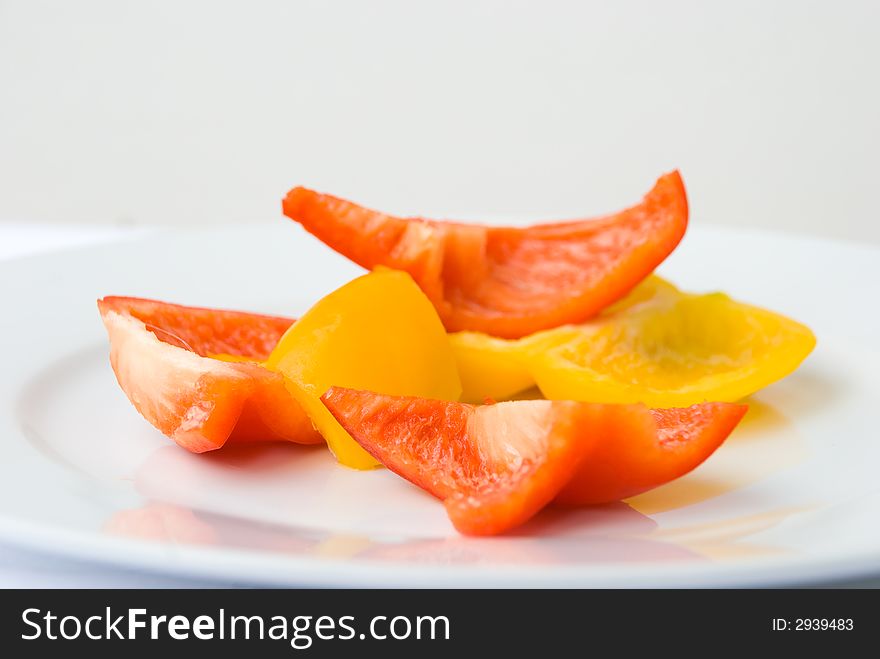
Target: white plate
{"points": [[791, 498]]}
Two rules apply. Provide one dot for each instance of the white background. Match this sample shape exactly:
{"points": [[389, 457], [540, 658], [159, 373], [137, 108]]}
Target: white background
{"points": [[207, 112]]}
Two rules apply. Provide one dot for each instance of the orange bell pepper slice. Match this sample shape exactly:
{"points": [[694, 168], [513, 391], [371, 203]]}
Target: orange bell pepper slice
{"points": [[507, 282], [495, 466], [161, 355]]}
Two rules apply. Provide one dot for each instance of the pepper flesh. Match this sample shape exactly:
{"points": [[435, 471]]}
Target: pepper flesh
{"points": [[379, 332], [507, 281], [495, 466], [672, 352], [163, 358]]}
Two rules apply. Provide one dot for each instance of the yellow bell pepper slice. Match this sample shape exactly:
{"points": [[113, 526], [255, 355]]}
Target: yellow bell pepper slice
{"points": [[495, 368], [652, 289], [674, 352], [378, 332]]}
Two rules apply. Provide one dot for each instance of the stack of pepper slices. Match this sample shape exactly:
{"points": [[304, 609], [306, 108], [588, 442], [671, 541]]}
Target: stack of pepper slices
{"points": [[499, 369]]}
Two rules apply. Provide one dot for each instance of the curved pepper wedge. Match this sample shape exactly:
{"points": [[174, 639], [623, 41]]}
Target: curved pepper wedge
{"points": [[495, 466], [507, 282], [161, 355], [675, 351], [378, 331]]}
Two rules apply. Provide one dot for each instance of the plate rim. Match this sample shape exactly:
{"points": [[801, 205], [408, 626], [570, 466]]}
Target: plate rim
{"points": [[316, 571]]}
